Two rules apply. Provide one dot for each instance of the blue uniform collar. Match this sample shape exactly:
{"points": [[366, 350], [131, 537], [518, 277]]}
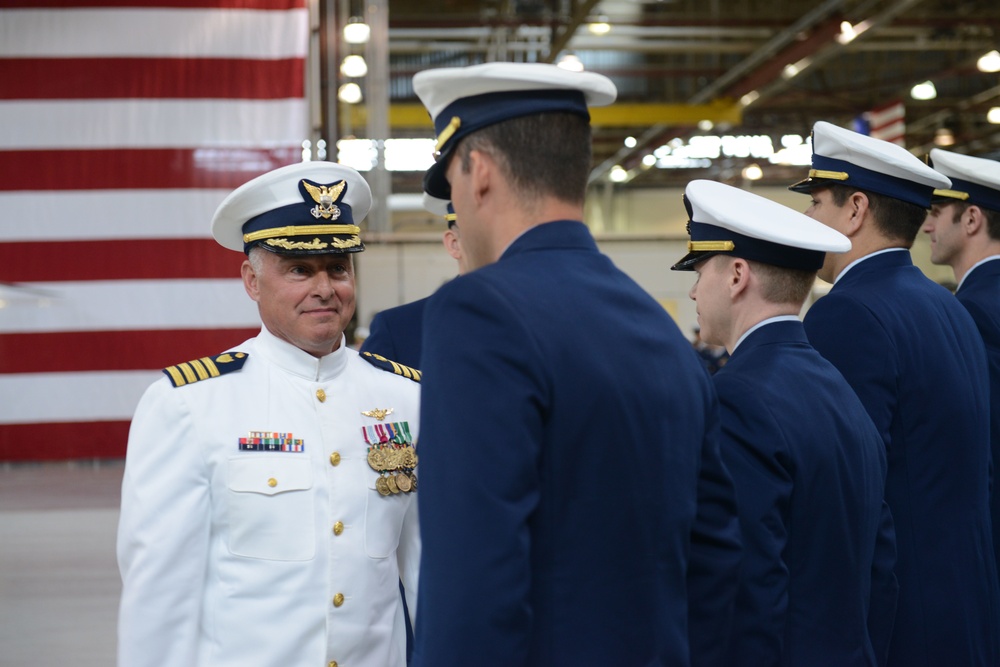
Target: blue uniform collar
{"points": [[556, 234]]}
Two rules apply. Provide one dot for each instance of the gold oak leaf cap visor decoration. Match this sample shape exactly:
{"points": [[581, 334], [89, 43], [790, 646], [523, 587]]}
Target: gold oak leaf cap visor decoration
{"points": [[309, 208]]}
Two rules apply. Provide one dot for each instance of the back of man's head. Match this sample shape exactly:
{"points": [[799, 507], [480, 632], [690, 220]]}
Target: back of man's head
{"points": [[779, 285], [541, 155]]}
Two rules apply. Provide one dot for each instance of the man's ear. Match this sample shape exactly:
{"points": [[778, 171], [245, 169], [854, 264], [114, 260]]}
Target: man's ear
{"points": [[452, 244], [855, 212], [972, 220], [738, 277], [250, 280], [482, 170]]}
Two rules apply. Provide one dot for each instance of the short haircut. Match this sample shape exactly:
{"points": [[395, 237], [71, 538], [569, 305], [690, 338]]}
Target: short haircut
{"points": [[894, 218], [992, 217], [783, 285], [546, 154]]}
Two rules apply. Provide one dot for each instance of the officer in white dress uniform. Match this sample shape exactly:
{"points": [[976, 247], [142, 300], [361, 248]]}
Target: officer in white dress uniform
{"points": [[269, 502]]}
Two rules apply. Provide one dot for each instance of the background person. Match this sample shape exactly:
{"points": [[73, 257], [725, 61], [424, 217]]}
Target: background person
{"points": [[397, 333], [808, 464], [964, 230], [915, 359]]}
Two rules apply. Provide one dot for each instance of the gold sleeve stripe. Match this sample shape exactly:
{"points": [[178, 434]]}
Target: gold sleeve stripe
{"points": [[213, 370], [300, 230], [199, 369], [177, 378], [188, 373]]}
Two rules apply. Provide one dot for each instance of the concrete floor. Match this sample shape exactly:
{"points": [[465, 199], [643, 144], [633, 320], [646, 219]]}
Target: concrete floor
{"points": [[59, 583]]}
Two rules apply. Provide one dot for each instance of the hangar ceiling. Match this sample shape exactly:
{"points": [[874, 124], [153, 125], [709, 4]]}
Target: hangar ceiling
{"points": [[753, 68]]}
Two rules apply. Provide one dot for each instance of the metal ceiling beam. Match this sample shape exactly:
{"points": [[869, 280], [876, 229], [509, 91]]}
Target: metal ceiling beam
{"points": [[580, 13], [414, 116]]}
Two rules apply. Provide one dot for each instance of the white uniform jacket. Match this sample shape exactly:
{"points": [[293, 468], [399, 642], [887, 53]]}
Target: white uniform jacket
{"points": [[238, 553]]}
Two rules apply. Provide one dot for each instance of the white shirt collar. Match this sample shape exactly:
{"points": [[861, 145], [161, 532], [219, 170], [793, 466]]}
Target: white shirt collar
{"points": [[974, 267], [298, 362], [770, 320], [861, 259]]}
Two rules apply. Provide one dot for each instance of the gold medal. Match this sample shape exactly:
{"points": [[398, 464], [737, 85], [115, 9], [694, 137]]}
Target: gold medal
{"points": [[375, 459], [390, 481], [403, 482], [413, 480], [408, 457], [382, 486]]}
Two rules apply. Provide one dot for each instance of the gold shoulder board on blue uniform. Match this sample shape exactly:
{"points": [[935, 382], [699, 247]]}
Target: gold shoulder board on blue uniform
{"points": [[379, 361], [207, 367]]}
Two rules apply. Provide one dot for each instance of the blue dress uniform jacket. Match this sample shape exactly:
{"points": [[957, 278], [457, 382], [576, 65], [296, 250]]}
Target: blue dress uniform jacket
{"points": [[397, 333], [980, 294], [916, 361], [566, 421], [809, 469], [236, 554]]}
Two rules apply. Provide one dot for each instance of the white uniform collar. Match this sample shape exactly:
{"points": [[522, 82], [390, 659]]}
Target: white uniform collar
{"points": [[861, 259], [295, 361], [976, 266]]}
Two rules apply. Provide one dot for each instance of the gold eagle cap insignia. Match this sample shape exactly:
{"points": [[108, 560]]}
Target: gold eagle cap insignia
{"points": [[325, 197], [378, 413]]}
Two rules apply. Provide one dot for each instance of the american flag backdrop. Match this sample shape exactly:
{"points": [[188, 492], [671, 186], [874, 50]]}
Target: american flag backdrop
{"points": [[123, 124]]}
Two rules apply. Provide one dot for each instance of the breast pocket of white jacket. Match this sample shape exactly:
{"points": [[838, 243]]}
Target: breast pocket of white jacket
{"points": [[271, 508], [383, 520]]}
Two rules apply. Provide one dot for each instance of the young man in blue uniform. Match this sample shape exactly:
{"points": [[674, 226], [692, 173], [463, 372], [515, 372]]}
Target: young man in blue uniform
{"points": [[397, 333], [915, 359], [964, 229], [808, 464], [573, 498]]}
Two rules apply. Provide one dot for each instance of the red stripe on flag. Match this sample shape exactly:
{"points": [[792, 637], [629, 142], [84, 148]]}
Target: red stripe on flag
{"points": [[178, 4], [71, 440], [117, 259], [81, 351], [117, 169], [151, 78]]}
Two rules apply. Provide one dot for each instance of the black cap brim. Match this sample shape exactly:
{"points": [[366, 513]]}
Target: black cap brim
{"points": [[435, 180], [690, 260]]}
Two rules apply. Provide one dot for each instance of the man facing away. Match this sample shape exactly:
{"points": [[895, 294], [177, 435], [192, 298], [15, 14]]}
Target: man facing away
{"points": [[397, 333], [560, 486], [964, 229], [808, 464], [915, 359], [268, 503]]}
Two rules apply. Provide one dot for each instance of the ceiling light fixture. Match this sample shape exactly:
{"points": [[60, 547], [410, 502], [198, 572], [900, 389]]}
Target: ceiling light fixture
{"points": [[753, 172], [357, 32], [349, 93], [618, 174], [599, 26], [923, 91], [944, 137], [989, 62], [570, 62], [354, 67], [993, 115]]}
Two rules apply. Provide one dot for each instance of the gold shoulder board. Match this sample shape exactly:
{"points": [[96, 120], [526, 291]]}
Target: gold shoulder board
{"points": [[207, 367], [379, 361]]}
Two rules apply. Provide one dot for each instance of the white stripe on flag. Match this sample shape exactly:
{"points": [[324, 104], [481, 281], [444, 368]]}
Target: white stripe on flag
{"points": [[169, 33], [152, 123], [122, 305], [107, 214], [72, 397]]}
